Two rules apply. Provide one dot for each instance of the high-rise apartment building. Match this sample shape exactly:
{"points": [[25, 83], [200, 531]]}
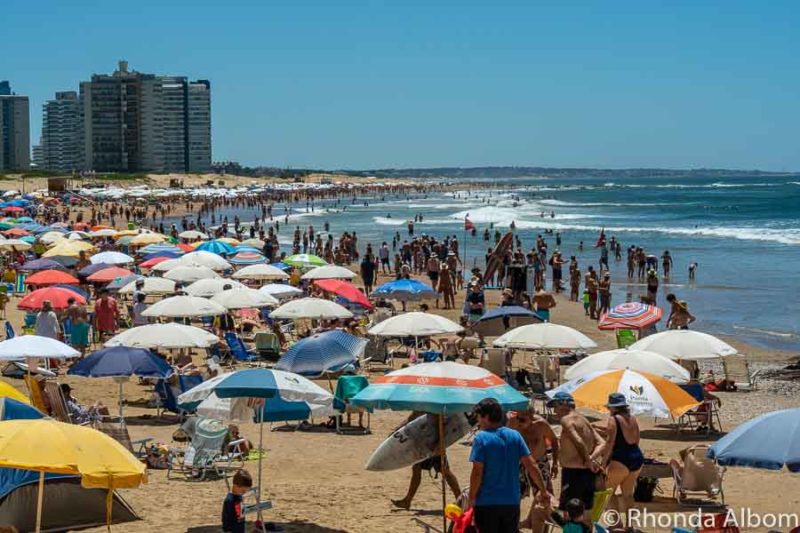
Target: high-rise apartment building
{"points": [[62, 133], [143, 122], [15, 141]]}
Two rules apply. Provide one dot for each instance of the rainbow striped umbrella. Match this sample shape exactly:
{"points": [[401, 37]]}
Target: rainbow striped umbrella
{"points": [[630, 315], [247, 258]]}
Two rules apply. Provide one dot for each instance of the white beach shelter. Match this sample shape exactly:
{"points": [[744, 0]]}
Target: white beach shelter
{"points": [[685, 344], [310, 308], [630, 359], [206, 288], [544, 336], [151, 286], [35, 347], [260, 271], [111, 258], [280, 290], [190, 273], [243, 298], [415, 324], [166, 336], [184, 306], [329, 272]]}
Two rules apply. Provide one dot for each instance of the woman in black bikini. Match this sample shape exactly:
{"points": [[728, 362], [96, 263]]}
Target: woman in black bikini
{"points": [[624, 457]]}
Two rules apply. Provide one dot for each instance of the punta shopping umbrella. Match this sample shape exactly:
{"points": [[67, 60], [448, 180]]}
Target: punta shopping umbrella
{"points": [[345, 289], [544, 336], [405, 290], [304, 261], [770, 441], [184, 307], [280, 290], [329, 272], [646, 394], [109, 274], [330, 351], [111, 258], [630, 315], [685, 344], [206, 288], [151, 286], [170, 336], [216, 247], [14, 409], [51, 277], [446, 388], [41, 264], [58, 297], [189, 274], [312, 308], [121, 362], [260, 272], [254, 388], [99, 460], [247, 258], [243, 298], [497, 321], [627, 358]]}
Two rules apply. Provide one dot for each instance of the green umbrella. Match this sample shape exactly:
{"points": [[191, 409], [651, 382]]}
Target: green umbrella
{"points": [[304, 261]]}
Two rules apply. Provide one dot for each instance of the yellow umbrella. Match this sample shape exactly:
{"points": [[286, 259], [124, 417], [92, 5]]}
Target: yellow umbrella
{"points": [[196, 244], [147, 238], [46, 445], [68, 248], [51, 237], [7, 391], [230, 240], [126, 233]]}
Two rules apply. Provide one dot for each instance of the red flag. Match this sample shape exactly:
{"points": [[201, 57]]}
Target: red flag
{"points": [[602, 239], [468, 225]]}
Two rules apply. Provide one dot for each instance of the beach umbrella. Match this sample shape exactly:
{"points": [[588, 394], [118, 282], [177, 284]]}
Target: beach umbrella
{"points": [[646, 394], [330, 351], [405, 290], [16, 232], [88, 270], [25, 220], [77, 235], [260, 272], [312, 308], [329, 272], [151, 286], [247, 258], [685, 344], [7, 391], [185, 247], [117, 283], [206, 259], [243, 298], [160, 255], [51, 277], [41, 264], [75, 289], [29, 347], [280, 290], [770, 441], [153, 261], [51, 237], [67, 248], [164, 336], [169, 264], [102, 233], [627, 358], [109, 274], [497, 321], [243, 248], [544, 336], [192, 234], [160, 247], [255, 243], [304, 261], [184, 307], [190, 273], [111, 258], [147, 238], [630, 315], [71, 449], [415, 324], [57, 296], [13, 209], [14, 409], [130, 233], [216, 247], [345, 289], [230, 240], [206, 288], [121, 362], [14, 245]]}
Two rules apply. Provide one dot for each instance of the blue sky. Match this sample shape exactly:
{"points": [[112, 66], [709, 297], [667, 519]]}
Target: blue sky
{"points": [[342, 84]]}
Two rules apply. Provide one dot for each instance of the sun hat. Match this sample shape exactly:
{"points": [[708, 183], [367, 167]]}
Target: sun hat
{"points": [[561, 397], [617, 399]]}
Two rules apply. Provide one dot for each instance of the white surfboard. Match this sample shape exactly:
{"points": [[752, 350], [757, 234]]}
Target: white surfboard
{"points": [[415, 442]]}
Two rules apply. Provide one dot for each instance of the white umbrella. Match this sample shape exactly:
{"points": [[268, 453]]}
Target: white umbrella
{"points": [[206, 259], [35, 347], [167, 336], [77, 235], [310, 308], [15, 245], [192, 234], [260, 272], [243, 298], [255, 243], [169, 264], [111, 258], [329, 272], [685, 344], [630, 359], [206, 288], [190, 273], [280, 290], [51, 237], [415, 324], [184, 306], [105, 232], [544, 336], [151, 286]]}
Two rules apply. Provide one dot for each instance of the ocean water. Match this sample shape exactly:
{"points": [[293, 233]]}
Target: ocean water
{"points": [[744, 233]]}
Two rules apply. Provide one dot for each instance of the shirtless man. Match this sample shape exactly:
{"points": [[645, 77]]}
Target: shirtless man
{"points": [[591, 285], [544, 302], [538, 435], [581, 455], [574, 284], [604, 290], [679, 315]]}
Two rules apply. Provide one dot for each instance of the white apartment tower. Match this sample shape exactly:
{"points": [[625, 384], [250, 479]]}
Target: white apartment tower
{"points": [[15, 137], [62, 133]]}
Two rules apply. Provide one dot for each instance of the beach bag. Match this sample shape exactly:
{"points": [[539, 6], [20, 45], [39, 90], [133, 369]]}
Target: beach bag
{"points": [[645, 489]]}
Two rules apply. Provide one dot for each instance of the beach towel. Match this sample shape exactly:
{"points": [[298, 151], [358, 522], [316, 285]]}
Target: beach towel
{"points": [[19, 283]]}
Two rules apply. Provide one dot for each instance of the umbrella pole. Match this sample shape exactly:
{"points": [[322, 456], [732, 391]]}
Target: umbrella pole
{"points": [[121, 417], [40, 502], [443, 458], [260, 457]]}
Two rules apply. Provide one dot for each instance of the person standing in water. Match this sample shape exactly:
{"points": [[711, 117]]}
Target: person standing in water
{"points": [[666, 263]]}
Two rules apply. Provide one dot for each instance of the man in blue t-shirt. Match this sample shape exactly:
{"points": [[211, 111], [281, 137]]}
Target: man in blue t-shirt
{"points": [[497, 452]]}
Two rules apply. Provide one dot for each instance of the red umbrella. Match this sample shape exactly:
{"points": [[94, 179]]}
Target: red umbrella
{"points": [[109, 274], [185, 247], [13, 209], [150, 263], [16, 232], [345, 289], [51, 277], [58, 296], [630, 315]]}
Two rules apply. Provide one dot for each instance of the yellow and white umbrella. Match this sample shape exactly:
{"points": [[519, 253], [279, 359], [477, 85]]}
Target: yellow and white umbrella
{"points": [[147, 238], [647, 394], [67, 248]]}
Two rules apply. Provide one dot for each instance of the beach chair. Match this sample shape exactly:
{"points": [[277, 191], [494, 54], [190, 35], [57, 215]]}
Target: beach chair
{"points": [[346, 388], [496, 362], [625, 337], [737, 371], [118, 430], [698, 476], [267, 345], [237, 348], [58, 404], [36, 393], [204, 457], [167, 401], [375, 353], [708, 410]]}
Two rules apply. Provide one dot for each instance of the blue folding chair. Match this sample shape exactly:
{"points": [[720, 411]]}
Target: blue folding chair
{"points": [[237, 348], [9, 330], [167, 401]]}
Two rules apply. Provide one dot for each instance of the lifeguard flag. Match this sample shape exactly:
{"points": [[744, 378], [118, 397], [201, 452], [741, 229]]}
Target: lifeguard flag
{"points": [[602, 239], [468, 225]]}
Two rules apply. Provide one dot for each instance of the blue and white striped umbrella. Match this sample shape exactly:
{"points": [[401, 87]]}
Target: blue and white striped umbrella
{"points": [[160, 247], [404, 290], [246, 248], [330, 351]]}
